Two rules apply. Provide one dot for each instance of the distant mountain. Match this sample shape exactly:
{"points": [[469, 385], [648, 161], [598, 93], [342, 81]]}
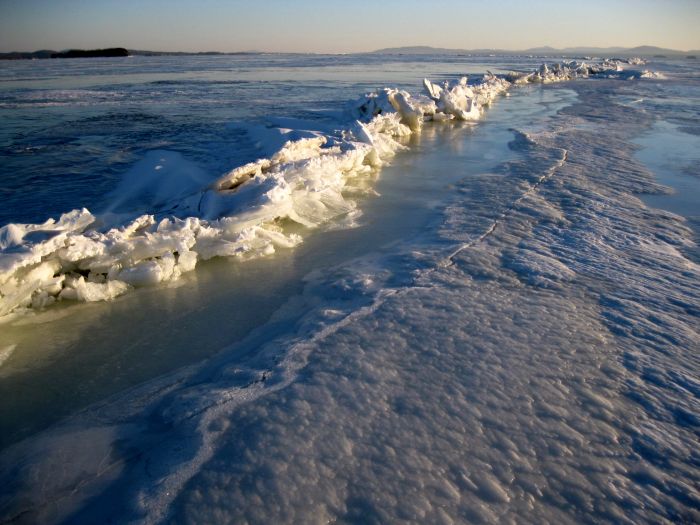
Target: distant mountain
{"points": [[545, 51]]}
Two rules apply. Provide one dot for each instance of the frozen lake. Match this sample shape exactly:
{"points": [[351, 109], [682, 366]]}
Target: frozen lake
{"points": [[503, 331]]}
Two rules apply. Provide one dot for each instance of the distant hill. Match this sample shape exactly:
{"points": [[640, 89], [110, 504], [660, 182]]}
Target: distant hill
{"points": [[544, 51]]}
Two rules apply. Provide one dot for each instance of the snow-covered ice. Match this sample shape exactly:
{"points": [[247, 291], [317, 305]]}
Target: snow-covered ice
{"points": [[309, 180], [531, 357]]}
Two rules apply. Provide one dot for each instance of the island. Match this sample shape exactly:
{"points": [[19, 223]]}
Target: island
{"points": [[92, 53]]}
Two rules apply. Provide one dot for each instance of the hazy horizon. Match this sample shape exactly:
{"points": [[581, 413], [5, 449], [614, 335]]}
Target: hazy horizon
{"points": [[334, 27], [407, 46]]}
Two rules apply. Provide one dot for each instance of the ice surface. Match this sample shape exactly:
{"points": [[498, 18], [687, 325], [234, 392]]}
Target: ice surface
{"points": [[160, 177], [533, 359], [482, 395], [309, 180], [6, 352], [652, 74], [674, 155]]}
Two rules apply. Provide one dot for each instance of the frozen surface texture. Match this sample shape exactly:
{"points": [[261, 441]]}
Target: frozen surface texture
{"points": [[246, 213], [533, 359]]}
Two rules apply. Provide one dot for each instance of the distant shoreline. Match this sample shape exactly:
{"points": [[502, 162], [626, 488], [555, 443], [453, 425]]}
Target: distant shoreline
{"points": [[646, 51], [92, 53], [112, 52]]}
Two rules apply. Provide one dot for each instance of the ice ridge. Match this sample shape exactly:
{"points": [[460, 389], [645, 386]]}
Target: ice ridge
{"points": [[245, 213]]}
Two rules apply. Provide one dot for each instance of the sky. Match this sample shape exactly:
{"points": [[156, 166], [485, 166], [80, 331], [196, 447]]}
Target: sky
{"points": [[337, 26]]}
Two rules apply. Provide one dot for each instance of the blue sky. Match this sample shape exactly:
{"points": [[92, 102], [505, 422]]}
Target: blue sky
{"points": [[345, 26]]}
